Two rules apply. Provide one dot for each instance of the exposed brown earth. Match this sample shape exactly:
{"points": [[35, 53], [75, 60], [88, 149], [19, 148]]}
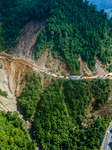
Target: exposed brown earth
{"points": [[27, 39], [25, 50], [11, 74], [90, 109], [48, 63], [14, 67], [98, 68]]}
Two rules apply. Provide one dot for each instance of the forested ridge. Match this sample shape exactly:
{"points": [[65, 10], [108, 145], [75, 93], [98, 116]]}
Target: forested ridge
{"points": [[61, 111], [73, 29]]}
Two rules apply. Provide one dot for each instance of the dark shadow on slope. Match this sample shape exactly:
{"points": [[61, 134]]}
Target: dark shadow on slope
{"points": [[109, 144], [20, 109]]}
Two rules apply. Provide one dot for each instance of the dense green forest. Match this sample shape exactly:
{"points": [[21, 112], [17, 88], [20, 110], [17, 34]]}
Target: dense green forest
{"points": [[12, 134], [76, 29], [15, 14], [62, 109], [72, 138], [59, 115], [30, 94], [73, 29]]}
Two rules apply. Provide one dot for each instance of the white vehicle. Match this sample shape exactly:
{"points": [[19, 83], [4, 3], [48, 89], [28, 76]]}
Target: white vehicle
{"points": [[98, 76]]}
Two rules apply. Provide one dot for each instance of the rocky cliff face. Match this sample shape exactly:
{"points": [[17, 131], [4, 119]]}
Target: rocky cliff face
{"points": [[11, 74]]}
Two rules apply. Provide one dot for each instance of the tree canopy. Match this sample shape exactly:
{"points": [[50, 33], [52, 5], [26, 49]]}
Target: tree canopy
{"points": [[73, 28], [61, 111], [12, 134], [31, 93]]}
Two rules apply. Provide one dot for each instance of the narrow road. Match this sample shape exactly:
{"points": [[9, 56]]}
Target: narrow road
{"points": [[36, 68], [106, 144]]}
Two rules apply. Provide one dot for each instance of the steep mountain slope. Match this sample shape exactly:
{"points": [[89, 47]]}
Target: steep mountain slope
{"points": [[63, 107], [15, 14], [11, 74], [27, 39], [26, 49], [72, 29], [106, 108], [76, 29]]}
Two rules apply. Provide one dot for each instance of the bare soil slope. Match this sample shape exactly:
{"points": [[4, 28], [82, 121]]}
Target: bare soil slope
{"points": [[27, 39], [48, 63], [98, 68], [11, 74]]}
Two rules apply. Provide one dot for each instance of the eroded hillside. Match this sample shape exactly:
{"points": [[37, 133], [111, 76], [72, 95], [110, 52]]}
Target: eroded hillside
{"points": [[26, 50], [11, 74], [27, 39]]}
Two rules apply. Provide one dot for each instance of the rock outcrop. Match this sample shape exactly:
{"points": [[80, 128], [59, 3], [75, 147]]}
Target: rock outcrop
{"points": [[11, 74]]}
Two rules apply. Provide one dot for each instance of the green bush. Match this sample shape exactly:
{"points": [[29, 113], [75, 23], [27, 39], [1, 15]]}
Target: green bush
{"points": [[4, 93]]}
